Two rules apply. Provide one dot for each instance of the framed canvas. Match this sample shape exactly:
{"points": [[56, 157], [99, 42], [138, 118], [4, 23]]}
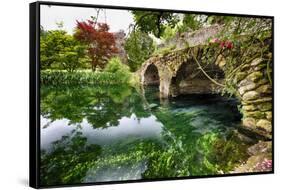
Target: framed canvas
{"points": [[126, 94]]}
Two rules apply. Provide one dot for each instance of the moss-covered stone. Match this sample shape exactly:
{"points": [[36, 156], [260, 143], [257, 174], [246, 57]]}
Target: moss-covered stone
{"points": [[257, 101], [244, 82], [248, 87], [255, 164], [255, 76], [256, 62], [268, 115], [264, 124], [249, 122], [265, 106], [260, 147], [254, 114], [250, 107], [251, 95], [265, 89], [220, 61], [240, 76], [262, 81], [260, 67]]}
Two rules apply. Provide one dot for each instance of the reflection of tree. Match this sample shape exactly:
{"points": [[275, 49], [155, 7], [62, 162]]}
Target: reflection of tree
{"points": [[68, 160], [101, 106]]}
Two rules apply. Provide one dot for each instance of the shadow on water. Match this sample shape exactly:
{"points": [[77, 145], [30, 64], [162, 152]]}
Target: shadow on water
{"points": [[106, 133]]}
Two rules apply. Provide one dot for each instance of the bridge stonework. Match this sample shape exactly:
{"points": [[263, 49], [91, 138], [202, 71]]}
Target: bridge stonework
{"points": [[177, 73]]}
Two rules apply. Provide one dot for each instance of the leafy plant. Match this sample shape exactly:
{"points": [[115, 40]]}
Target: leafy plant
{"points": [[139, 46], [190, 22], [116, 67], [154, 22], [60, 77], [169, 33], [60, 50]]}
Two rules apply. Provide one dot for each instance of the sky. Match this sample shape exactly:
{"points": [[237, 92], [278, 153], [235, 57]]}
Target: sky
{"points": [[50, 15]]}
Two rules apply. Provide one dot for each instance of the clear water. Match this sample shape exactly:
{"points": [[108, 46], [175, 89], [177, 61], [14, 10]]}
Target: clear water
{"points": [[113, 133]]}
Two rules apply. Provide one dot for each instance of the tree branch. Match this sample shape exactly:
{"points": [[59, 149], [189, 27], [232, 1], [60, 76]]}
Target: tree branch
{"points": [[212, 80]]}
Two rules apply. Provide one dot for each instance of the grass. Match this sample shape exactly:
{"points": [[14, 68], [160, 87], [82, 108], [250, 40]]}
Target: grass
{"points": [[80, 77]]}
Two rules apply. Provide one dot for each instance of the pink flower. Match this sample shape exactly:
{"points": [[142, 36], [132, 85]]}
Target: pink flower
{"points": [[214, 40], [217, 40], [265, 165], [222, 44], [228, 44]]}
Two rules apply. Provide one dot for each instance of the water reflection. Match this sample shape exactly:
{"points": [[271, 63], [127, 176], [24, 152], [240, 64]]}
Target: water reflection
{"points": [[100, 133], [127, 127]]}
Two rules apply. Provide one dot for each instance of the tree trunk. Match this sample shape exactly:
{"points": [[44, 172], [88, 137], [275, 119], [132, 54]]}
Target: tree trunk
{"points": [[93, 67]]}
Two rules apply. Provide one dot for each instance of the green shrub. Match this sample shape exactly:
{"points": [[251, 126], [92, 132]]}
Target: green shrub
{"points": [[60, 77], [122, 71]]}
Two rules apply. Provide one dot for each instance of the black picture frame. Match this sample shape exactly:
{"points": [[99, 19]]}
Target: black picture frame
{"points": [[34, 92]]}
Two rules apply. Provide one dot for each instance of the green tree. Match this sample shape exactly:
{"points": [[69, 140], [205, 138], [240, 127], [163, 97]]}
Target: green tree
{"points": [[50, 46], [73, 55], [60, 50], [139, 46], [169, 33], [154, 22], [190, 22]]}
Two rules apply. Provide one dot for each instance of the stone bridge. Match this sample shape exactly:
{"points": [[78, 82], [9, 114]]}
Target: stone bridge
{"points": [[177, 72]]}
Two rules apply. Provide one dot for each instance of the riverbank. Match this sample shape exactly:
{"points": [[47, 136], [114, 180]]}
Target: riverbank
{"points": [[260, 159], [85, 77]]}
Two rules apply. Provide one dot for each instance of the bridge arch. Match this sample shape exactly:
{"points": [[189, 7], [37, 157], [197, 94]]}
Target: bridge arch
{"points": [[151, 75], [189, 79]]}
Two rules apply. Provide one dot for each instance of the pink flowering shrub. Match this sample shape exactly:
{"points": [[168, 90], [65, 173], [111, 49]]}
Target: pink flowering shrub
{"points": [[265, 165], [222, 44]]}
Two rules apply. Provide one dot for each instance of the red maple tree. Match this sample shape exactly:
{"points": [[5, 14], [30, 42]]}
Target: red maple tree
{"points": [[101, 42]]}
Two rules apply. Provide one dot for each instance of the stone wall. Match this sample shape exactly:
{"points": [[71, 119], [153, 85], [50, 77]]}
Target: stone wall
{"points": [[255, 90], [192, 39]]}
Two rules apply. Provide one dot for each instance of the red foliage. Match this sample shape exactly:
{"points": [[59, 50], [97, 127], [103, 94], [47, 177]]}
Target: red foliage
{"points": [[101, 42], [222, 44], [228, 44]]}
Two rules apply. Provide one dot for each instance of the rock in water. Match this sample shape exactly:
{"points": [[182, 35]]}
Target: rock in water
{"points": [[152, 106]]}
